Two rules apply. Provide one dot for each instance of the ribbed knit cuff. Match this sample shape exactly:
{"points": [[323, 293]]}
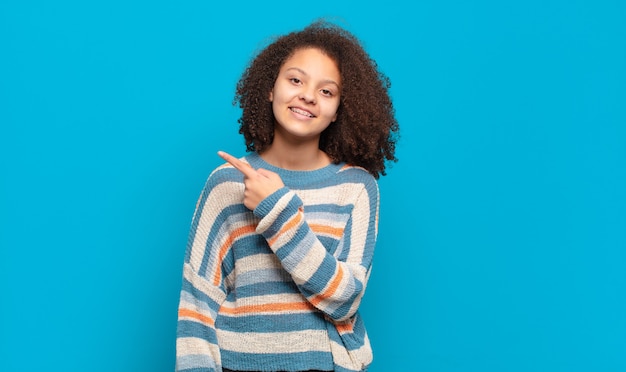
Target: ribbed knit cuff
{"points": [[266, 205]]}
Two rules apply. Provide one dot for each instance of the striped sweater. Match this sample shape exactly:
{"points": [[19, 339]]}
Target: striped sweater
{"points": [[279, 288]]}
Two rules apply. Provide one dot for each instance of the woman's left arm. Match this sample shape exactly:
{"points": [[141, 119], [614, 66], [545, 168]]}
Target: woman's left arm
{"points": [[335, 285]]}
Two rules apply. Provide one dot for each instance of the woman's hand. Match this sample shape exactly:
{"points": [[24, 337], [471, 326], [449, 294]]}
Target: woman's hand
{"points": [[260, 183]]}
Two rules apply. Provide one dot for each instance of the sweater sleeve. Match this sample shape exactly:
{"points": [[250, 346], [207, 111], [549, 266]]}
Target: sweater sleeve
{"points": [[203, 286], [196, 340], [333, 285]]}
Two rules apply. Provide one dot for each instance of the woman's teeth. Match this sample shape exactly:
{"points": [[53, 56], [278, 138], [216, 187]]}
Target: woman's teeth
{"points": [[301, 112]]}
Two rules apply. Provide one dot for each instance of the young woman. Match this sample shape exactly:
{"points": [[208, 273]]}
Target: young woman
{"points": [[281, 242]]}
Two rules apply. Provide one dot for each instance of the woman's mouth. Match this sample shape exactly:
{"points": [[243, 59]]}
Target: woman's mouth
{"points": [[301, 112]]}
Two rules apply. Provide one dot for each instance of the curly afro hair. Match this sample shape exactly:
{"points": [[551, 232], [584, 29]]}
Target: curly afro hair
{"points": [[365, 132]]}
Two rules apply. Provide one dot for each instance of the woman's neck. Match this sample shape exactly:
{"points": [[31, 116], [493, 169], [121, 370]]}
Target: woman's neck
{"points": [[301, 156]]}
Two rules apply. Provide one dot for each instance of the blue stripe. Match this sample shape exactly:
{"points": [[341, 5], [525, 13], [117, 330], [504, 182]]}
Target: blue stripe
{"points": [[266, 205], [261, 289], [194, 224], [299, 179], [372, 191], [347, 241], [189, 328], [270, 323], [262, 275], [187, 297], [235, 212], [250, 245], [291, 254], [323, 275], [200, 296], [351, 340], [198, 362], [339, 252], [344, 306], [217, 177], [277, 362], [288, 211], [329, 211], [330, 244]]}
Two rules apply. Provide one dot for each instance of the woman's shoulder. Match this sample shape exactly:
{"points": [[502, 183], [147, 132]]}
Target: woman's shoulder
{"points": [[223, 188], [353, 173], [223, 174], [358, 179]]}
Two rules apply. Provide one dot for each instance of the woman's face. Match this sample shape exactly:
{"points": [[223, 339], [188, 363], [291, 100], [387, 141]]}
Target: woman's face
{"points": [[305, 97]]}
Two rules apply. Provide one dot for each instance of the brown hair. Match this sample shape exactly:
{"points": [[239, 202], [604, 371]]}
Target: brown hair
{"points": [[365, 132]]}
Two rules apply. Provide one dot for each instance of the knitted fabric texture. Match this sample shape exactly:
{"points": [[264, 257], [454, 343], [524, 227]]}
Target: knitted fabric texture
{"points": [[278, 288]]}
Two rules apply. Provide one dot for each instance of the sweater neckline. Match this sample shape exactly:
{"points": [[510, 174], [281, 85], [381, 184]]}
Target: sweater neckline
{"points": [[294, 177]]}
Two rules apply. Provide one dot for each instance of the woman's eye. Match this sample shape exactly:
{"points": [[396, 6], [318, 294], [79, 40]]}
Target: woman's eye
{"points": [[327, 92], [295, 80]]}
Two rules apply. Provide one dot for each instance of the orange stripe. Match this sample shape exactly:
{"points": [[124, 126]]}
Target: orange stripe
{"points": [[193, 314], [328, 230], [343, 328], [332, 288], [290, 224], [266, 308], [248, 229]]}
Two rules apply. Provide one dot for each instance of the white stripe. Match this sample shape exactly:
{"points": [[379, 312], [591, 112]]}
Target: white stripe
{"points": [[187, 301], [307, 265], [201, 284], [354, 359], [254, 262], [332, 219], [347, 192], [276, 209], [247, 266], [274, 342], [358, 235], [220, 197], [194, 346]]}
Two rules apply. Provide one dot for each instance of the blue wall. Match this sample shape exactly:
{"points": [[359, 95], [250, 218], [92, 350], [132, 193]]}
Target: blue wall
{"points": [[503, 226]]}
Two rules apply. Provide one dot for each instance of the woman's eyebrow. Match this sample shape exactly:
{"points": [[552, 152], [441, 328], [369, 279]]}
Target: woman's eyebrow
{"points": [[328, 81]]}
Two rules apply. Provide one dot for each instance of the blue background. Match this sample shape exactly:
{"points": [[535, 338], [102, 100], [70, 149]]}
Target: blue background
{"points": [[503, 227]]}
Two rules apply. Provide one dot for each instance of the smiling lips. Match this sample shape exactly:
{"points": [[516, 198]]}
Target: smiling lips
{"points": [[301, 112]]}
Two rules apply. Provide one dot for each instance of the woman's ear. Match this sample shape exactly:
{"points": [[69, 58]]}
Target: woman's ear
{"points": [[271, 96]]}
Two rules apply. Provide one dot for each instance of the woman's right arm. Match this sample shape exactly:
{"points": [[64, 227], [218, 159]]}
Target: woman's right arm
{"points": [[203, 287]]}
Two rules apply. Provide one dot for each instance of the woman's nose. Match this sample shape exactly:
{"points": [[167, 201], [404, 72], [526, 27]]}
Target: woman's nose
{"points": [[308, 95]]}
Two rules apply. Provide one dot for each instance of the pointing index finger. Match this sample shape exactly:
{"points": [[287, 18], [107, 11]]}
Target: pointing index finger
{"points": [[244, 168]]}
